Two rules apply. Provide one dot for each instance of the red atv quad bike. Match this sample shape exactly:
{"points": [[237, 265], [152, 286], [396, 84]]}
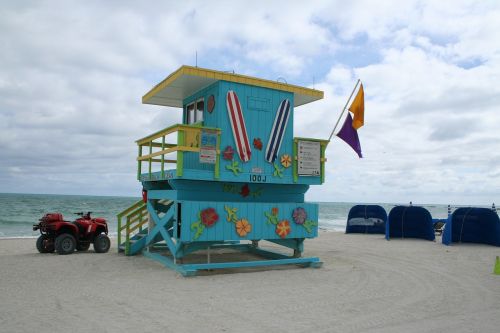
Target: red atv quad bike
{"points": [[64, 236]]}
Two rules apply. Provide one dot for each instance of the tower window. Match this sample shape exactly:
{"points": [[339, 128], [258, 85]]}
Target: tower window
{"points": [[194, 111]]}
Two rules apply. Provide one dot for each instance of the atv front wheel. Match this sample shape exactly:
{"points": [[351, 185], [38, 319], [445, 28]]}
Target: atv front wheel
{"points": [[82, 246], [65, 244], [45, 244], [101, 243]]}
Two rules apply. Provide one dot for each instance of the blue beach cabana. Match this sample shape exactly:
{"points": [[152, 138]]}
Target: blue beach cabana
{"points": [[409, 222], [366, 219], [472, 225]]}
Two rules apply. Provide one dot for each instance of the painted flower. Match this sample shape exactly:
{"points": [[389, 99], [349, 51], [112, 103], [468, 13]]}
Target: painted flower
{"points": [[283, 228], [243, 227], [208, 217], [245, 191], [275, 210], [228, 153], [286, 160], [299, 215], [257, 143]]}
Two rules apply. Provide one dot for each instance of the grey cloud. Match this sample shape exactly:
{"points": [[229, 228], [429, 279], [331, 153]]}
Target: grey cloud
{"points": [[452, 100], [73, 74], [451, 129]]}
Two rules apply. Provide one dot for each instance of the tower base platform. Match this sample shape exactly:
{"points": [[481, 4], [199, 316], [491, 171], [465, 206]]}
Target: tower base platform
{"points": [[224, 256]]}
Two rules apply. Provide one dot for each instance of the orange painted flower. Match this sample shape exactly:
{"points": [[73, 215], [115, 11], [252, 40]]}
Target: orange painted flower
{"points": [[275, 211], [283, 228], [286, 160], [243, 227]]}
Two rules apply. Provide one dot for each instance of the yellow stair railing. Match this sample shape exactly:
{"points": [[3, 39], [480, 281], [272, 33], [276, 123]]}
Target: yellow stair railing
{"points": [[188, 140], [136, 216]]}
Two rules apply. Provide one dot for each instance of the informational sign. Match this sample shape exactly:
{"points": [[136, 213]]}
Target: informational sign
{"points": [[208, 146], [309, 158]]}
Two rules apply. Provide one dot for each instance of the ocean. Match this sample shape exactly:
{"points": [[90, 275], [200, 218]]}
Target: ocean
{"points": [[18, 212]]}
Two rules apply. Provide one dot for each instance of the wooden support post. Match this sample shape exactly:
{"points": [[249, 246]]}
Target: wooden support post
{"points": [[119, 231], [139, 163], [127, 236], [140, 221], [163, 158], [217, 158], [150, 224], [323, 146], [150, 159], [180, 154], [294, 161]]}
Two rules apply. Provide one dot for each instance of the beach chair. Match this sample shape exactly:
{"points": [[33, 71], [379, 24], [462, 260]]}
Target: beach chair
{"points": [[439, 227]]}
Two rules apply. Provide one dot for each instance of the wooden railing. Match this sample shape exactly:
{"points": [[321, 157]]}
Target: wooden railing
{"points": [[188, 140], [136, 216]]}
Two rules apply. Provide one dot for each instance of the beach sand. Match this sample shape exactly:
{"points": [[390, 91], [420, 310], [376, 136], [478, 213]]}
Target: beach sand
{"points": [[365, 284]]}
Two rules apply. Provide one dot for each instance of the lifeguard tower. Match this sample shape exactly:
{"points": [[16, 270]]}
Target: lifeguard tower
{"points": [[231, 175]]}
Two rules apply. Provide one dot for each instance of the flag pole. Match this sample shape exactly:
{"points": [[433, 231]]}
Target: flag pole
{"points": [[345, 107]]}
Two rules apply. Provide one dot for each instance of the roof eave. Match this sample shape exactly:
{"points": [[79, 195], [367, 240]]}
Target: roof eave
{"points": [[302, 95]]}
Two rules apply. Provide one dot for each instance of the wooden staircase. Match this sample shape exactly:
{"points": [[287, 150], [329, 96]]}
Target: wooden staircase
{"points": [[133, 227]]}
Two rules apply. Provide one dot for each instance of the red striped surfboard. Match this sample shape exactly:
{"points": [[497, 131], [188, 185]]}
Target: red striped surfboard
{"points": [[238, 126]]}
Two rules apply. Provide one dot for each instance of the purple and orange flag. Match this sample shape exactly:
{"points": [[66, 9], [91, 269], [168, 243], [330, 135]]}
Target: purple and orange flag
{"points": [[349, 132], [350, 135], [358, 109]]}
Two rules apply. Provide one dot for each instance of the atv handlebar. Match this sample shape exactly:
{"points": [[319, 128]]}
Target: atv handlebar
{"points": [[84, 215]]}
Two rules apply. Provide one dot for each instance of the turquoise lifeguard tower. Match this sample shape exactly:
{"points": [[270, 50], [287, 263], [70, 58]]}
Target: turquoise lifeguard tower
{"points": [[231, 175]]}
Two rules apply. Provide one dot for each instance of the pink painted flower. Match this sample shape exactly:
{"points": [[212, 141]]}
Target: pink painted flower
{"points": [[299, 215], [228, 153], [245, 190], [209, 216]]}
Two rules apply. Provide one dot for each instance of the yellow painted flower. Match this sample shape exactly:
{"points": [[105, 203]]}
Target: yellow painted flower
{"points": [[243, 227], [286, 160]]}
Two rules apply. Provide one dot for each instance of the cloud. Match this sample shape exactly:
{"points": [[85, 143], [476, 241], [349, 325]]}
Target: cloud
{"points": [[451, 129], [73, 74]]}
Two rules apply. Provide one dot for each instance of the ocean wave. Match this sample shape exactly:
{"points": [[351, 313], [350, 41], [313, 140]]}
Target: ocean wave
{"points": [[332, 224], [12, 222], [17, 237]]}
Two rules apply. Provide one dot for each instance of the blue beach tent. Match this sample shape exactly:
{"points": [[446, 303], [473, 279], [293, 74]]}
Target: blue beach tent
{"points": [[366, 219], [409, 222], [472, 225]]}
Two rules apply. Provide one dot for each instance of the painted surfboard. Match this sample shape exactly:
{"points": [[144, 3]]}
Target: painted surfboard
{"points": [[278, 131], [238, 126]]}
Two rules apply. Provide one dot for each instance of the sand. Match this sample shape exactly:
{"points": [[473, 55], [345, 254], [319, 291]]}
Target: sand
{"points": [[366, 284]]}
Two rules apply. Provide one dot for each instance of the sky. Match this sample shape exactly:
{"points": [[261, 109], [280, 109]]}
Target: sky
{"points": [[72, 74]]}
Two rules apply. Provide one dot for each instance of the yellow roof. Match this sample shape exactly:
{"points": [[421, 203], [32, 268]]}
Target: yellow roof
{"points": [[187, 80]]}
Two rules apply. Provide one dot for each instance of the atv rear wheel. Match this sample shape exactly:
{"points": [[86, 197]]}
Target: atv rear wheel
{"points": [[65, 244], [101, 243], [45, 244], [82, 246]]}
